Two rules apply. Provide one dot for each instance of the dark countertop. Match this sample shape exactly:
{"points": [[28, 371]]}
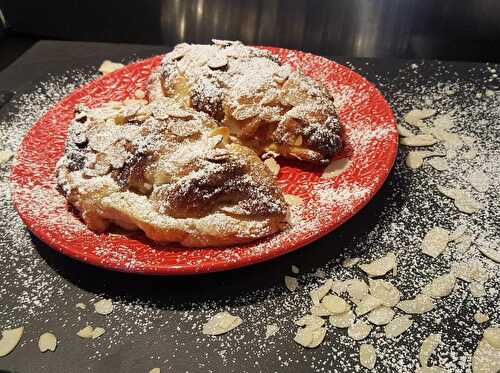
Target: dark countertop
{"points": [[152, 324]]}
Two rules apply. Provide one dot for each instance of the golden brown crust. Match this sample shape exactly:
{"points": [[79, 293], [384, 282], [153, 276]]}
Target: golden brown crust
{"points": [[267, 105]]}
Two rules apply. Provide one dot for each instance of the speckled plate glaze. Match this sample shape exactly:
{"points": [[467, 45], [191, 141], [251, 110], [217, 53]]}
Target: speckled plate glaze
{"points": [[370, 139]]}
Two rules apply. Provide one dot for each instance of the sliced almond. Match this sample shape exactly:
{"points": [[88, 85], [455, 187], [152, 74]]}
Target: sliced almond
{"points": [[443, 121], [319, 310], [438, 163], [139, 94], [271, 330], [397, 326], [379, 267], [350, 262], [435, 241], [490, 253], [463, 244], [291, 283], [10, 339], [155, 370], [480, 317], [428, 346], [81, 306], [477, 289], [492, 336], [479, 181], [5, 155], [85, 332], [310, 321], [273, 166], [385, 291], [367, 304], [415, 159], [420, 304], [486, 358], [47, 342], [419, 140], [97, 332], [367, 356], [343, 320], [335, 304], [470, 154], [458, 233], [293, 200], [318, 293], [381, 315], [359, 330], [336, 168], [404, 132], [463, 201], [295, 269], [310, 337], [108, 66], [415, 116], [104, 306], [450, 139], [433, 369], [217, 61], [470, 270], [441, 286], [357, 290], [221, 323]]}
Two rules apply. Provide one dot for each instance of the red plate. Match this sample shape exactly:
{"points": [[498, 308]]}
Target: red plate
{"points": [[370, 139]]}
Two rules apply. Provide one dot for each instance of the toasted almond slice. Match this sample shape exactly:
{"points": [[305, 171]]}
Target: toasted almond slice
{"points": [[335, 304], [470, 154], [397, 326], [295, 269], [367, 304], [441, 286], [419, 140], [339, 287], [381, 315], [415, 159], [359, 330], [415, 116], [85, 332], [97, 332], [10, 339], [273, 166], [385, 291], [350, 262], [486, 358], [463, 244], [104, 306], [293, 200], [319, 273], [420, 304], [438, 163], [463, 200], [81, 306], [458, 233], [319, 310], [291, 283], [335, 168], [404, 132], [271, 330], [343, 320], [479, 181], [5, 155], [379, 267], [367, 356], [155, 370], [318, 293], [451, 140], [47, 342], [490, 253], [217, 61], [310, 321], [318, 335], [433, 369], [428, 346], [435, 241], [357, 290], [480, 317], [443, 121], [477, 289], [470, 270], [449, 192], [108, 66], [221, 323]]}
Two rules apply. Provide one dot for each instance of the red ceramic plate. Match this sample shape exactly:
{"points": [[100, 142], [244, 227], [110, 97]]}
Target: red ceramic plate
{"points": [[370, 139]]}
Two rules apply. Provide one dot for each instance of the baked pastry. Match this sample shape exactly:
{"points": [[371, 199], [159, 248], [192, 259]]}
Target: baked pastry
{"points": [[267, 105], [168, 171]]}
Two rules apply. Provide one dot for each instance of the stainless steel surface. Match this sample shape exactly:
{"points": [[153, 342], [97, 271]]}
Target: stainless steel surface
{"points": [[447, 29]]}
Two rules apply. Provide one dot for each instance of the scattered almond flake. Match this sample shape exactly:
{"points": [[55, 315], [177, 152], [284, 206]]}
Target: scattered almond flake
{"points": [[489, 93], [350, 262], [404, 132], [415, 159], [310, 337], [388, 294], [155, 370], [10, 339], [339, 287], [336, 168], [5, 155], [271, 330], [293, 200], [433, 369], [479, 181], [273, 166], [85, 332], [291, 283], [443, 121], [451, 154], [397, 326], [458, 233], [367, 304], [477, 289], [441, 286], [379, 267], [295, 269], [469, 271], [357, 290], [435, 241], [335, 304], [97, 332], [438, 163], [318, 293], [343, 320], [104, 307], [367, 356], [470, 154], [480, 317], [311, 321], [451, 140], [463, 243], [486, 358], [428, 346], [381, 315], [47, 342], [221, 323], [108, 66], [419, 140], [319, 310], [463, 200], [420, 304], [81, 306], [415, 116], [139, 94], [493, 254], [359, 330]]}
